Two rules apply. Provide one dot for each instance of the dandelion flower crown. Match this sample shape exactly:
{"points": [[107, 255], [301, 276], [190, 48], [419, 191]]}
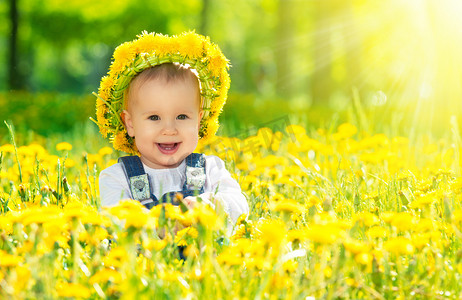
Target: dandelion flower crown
{"points": [[152, 49]]}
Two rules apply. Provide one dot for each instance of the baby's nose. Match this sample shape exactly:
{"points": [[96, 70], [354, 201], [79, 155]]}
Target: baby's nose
{"points": [[169, 128]]}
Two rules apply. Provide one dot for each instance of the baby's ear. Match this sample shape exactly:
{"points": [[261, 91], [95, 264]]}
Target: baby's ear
{"points": [[201, 114], [127, 119]]}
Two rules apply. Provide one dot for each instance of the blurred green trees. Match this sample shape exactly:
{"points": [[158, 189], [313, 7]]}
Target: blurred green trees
{"points": [[280, 47]]}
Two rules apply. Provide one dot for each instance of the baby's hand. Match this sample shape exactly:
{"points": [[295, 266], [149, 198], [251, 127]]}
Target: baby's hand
{"points": [[190, 201]]}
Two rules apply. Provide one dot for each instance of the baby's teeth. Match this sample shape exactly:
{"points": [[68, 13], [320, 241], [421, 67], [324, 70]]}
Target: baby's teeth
{"points": [[168, 146]]}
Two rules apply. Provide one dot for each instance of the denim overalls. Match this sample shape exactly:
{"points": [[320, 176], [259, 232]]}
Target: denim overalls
{"points": [[140, 185]]}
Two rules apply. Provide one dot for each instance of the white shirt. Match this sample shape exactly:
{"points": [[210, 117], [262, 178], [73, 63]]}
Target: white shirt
{"points": [[219, 185]]}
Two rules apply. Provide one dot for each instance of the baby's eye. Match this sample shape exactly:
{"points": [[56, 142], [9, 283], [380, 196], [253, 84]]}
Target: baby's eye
{"points": [[182, 117], [154, 118]]}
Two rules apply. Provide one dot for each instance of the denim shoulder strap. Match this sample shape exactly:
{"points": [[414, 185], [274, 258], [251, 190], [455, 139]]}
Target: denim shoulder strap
{"points": [[137, 178], [195, 174]]}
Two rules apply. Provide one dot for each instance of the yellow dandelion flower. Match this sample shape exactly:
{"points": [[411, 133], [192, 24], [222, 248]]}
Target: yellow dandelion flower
{"points": [[296, 130], [146, 42], [173, 212], [212, 127], [230, 257], [5, 223], [364, 258], [192, 232], [41, 215], [105, 151], [107, 82], [163, 45], [95, 218], [420, 240], [103, 130], [424, 200], [351, 282], [84, 236], [116, 67], [192, 251], [272, 232], [103, 94], [217, 105], [105, 275], [156, 211], [287, 205], [181, 236], [7, 148], [76, 290], [216, 61], [296, 235], [70, 163], [367, 219], [124, 53], [33, 150], [324, 234], [181, 242], [75, 210], [125, 207], [101, 110], [94, 159], [313, 200], [327, 272], [457, 216], [207, 217], [121, 142], [8, 260], [239, 232], [152, 244], [355, 246], [242, 219], [111, 162], [115, 257], [23, 273], [455, 185], [290, 266], [132, 212], [170, 275], [258, 262], [399, 246], [425, 225], [345, 130], [387, 216], [225, 80], [377, 232], [377, 253], [403, 221], [190, 44]]}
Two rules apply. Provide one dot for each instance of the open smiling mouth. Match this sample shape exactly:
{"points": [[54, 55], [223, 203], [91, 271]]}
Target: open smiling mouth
{"points": [[168, 148]]}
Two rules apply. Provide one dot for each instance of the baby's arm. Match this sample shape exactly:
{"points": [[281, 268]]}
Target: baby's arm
{"points": [[113, 185], [221, 190]]}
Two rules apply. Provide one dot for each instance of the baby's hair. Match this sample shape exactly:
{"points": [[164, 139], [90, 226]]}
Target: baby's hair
{"points": [[167, 72]]}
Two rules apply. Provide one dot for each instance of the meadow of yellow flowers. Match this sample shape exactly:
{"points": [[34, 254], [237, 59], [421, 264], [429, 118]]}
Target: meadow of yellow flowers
{"points": [[334, 215]]}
